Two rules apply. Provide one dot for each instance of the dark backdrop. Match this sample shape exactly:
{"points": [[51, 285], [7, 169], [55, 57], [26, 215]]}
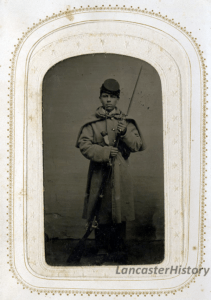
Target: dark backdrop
{"points": [[70, 94]]}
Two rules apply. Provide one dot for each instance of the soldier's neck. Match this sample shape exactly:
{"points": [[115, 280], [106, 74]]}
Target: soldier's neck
{"points": [[110, 112]]}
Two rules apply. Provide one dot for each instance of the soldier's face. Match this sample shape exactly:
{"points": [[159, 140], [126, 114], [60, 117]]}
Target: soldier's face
{"points": [[108, 101]]}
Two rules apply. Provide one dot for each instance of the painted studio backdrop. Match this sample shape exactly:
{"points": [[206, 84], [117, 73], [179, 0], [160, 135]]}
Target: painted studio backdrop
{"points": [[70, 94]]}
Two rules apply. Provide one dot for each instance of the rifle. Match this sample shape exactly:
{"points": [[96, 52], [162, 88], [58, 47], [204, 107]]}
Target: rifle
{"points": [[131, 100], [125, 152]]}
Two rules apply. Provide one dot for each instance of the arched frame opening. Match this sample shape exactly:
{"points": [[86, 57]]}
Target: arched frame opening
{"points": [[174, 58]]}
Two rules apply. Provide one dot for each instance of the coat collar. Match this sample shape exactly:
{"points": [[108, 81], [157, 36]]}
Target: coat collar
{"points": [[101, 113]]}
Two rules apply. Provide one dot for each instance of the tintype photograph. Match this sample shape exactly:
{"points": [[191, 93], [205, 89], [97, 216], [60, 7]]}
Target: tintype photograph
{"points": [[103, 171], [105, 134]]}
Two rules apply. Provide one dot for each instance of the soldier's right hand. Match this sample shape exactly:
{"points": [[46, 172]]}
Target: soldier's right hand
{"points": [[114, 152]]}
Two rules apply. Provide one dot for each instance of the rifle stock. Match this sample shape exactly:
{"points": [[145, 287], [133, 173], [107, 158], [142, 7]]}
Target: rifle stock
{"points": [[78, 251]]}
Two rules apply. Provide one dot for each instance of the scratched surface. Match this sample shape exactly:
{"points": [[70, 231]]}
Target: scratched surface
{"points": [[70, 94]]}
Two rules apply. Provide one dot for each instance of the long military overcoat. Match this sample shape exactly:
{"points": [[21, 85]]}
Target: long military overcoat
{"points": [[117, 204]]}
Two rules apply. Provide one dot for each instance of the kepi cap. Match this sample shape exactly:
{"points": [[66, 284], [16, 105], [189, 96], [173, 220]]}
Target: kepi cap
{"points": [[110, 86]]}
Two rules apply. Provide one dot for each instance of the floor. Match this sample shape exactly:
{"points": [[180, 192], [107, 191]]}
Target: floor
{"points": [[57, 252]]}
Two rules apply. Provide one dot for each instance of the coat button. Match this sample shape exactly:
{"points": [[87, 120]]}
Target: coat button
{"points": [[114, 141], [113, 129], [112, 118]]}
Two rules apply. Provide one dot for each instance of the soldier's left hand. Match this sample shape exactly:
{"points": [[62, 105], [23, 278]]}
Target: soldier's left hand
{"points": [[122, 127]]}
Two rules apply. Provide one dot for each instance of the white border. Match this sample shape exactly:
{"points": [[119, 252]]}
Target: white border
{"points": [[194, 88]]}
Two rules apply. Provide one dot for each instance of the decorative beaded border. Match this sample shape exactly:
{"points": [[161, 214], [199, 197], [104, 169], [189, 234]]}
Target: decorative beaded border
{"points": [[69, 13]]}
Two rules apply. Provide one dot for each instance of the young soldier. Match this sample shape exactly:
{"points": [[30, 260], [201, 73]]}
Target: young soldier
{"points": [[97, 141]]}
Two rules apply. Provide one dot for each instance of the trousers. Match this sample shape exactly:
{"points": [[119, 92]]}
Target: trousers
{"points": [[111, 237]]}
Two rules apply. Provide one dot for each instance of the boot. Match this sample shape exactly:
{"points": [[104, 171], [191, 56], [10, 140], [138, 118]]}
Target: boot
{"points": [[118, 251]]}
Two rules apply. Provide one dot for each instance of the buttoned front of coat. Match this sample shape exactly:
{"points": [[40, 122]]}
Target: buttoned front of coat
{"points": [[117, 204]]}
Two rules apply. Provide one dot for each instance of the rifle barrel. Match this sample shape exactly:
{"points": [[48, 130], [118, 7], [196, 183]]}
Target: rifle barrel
{"points": [[133, 92]]}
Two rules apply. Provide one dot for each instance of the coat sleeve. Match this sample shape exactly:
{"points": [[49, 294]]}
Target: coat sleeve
{"points": [[132, 138], [90, 150]]}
